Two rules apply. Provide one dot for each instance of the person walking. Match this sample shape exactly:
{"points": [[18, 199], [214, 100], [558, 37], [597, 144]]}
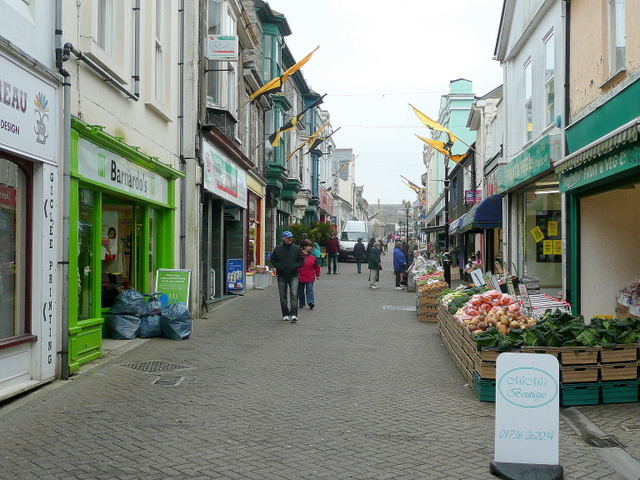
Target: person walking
{"points": [[359, 253], [287, 258], [333, 248], [399, 264], [309, 273], [375, 265]]}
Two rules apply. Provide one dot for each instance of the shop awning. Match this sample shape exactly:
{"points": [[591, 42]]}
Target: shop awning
{"points": [[434, 229], [486, 214], [605, 144], [454, 225]]}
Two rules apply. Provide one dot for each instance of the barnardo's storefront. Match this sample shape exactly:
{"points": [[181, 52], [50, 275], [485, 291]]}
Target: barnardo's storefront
{"points": [[122, 220], [29, 226], [533, 226]]}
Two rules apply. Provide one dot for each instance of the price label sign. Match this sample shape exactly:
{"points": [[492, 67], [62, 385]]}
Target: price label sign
{"points": [[537, 234], [524, 295], [527, 408]]}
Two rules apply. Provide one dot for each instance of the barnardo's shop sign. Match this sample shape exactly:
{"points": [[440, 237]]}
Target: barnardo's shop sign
{"points": [[222, 177], [28, 113], [527, 408], [118, 173]]}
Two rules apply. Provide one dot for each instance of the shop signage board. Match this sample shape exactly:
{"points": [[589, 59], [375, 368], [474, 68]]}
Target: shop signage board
{"points": [[235, 275], [121, 174], [527, 409], [28, 113], [222, 48], [600, 169], [223, 177], [533, 161], [174, 283]]}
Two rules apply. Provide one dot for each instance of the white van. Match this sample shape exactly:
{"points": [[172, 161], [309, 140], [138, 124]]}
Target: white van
{"points": [[351, 232]]}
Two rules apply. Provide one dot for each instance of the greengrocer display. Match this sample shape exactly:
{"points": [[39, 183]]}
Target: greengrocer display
{"points": [[598, 358]]}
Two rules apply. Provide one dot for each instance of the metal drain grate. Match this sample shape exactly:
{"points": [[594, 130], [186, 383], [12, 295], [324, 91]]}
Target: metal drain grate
{"points": [[403, 308], [603, 442], [168, 381], [153, 367]]}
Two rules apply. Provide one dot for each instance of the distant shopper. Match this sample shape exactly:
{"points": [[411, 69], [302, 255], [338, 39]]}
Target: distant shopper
{"points": [[309, 273], [315, 250], [359, 251], [399, 264], [333, 248], [287, 259], [413, 246], [375, 265]]}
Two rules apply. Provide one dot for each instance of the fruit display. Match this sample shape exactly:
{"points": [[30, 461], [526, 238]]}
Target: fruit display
{"points": [[455, 299], [432, 287]]}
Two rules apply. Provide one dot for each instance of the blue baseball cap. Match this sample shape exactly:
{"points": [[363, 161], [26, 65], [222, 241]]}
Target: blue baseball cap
{"points": [[287, 234]]}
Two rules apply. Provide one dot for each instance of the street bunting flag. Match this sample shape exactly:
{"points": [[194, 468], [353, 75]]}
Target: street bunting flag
{"points": [[317, 141], [443, 148], [415, 188], [432, 124], [274, 138], [308, 140], [275, 85]]}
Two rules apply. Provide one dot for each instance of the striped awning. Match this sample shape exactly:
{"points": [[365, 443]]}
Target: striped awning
{"points": [[605, 144]]}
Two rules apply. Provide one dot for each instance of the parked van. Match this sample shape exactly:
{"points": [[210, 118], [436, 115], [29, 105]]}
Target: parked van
{"points": [[351, 232]]}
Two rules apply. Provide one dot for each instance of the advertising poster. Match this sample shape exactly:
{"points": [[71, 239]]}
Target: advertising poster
{"points": [[235, 275], [109, 235], [174, 283]]}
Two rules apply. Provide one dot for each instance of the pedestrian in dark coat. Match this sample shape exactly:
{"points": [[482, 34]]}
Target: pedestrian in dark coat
{"points": [[375, 265], [359, 253], [287, 259], [332, 246]]}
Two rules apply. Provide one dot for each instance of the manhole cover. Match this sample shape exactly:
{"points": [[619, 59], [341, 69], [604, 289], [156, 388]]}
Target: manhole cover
{"points": [[153, 367], [399, 307], [603, 442], [168, 381]]}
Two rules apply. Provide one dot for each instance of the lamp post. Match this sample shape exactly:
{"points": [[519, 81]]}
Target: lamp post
{"points": [[406, 204], [446, 262]]}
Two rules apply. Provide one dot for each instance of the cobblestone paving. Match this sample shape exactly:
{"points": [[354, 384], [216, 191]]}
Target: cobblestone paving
{"points": [[351, 391]]}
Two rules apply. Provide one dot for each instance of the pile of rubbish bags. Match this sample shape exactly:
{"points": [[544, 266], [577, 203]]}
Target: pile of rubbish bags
{"points": [[130, 317]]}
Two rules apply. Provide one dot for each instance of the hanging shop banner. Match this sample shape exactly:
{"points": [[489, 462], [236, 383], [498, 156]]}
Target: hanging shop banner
{"points": [[235, 275], [28, 113], [527, 409], [222, 48], [118, 173], [600, 169], [533, 161], [222, 177], [174, 283]]}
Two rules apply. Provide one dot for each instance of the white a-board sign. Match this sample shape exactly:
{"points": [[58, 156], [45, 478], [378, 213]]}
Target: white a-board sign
{"points": [[527, 408]]}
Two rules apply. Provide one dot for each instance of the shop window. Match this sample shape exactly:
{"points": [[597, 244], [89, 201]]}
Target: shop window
{"points": [[549, 78], [528, 101], [159, 52], [85, 236], [221, 76], [117, 250], [105, 25], [14, 238], [617, 41]]}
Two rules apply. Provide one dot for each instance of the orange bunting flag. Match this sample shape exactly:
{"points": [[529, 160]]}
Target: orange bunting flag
{"points": [[432, 124]]}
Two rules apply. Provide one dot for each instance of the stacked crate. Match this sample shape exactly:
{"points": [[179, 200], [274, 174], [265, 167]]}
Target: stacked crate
{"points": [[619, 374], [427, 307]]}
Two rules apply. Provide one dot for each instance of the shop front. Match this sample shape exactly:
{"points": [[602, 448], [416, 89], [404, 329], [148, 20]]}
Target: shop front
{"points": [[224, 233], [256, 186], [122, 219], [601, 181], [29, 227], [533, 221]]}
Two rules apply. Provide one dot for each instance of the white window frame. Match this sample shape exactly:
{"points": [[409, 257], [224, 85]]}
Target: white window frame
{"points": [[528, 99], [617, 31], [549, 78], [222, 77], [104, 31], [158, 84]]}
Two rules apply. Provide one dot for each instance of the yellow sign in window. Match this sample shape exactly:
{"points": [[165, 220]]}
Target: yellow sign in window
{"points": [[547, 247], [552, 228], [537, 234], [557, 247]]}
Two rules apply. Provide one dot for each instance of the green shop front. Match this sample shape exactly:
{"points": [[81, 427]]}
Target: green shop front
{"points": [[122, 219], [601, 182], [533, 222]]}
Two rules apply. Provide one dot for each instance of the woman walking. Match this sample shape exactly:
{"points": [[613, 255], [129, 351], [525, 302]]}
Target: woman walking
{"points": [[375, 265], [399, 264], [309, 273]]}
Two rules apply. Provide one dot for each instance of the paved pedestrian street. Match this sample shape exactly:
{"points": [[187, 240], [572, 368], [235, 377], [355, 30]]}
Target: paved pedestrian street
{"points": [[357, 389]]}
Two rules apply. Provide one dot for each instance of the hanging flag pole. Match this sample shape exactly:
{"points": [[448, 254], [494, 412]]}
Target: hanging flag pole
{"points": [[433, 125], [308, 140], [275, 85], [316, 143]]}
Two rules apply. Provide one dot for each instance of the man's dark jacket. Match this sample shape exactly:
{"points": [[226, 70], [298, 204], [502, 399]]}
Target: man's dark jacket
{"points": [[287, 259]]}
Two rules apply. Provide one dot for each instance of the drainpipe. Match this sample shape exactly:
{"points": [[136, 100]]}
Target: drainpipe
{"points": [[136, 50], [183, 163], [66, 187]]}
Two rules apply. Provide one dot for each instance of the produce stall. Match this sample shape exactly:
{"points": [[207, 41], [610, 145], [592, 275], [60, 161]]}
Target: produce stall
{"points": [[598, 359]]}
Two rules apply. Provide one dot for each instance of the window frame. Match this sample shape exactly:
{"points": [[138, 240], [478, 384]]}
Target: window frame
{"points": [[527, 78], [616, 41], [549, 78]]}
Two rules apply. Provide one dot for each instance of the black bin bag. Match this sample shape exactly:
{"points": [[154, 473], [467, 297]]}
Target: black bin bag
{"points": [[175, 321], [150, 318], [128, 301], [123, 326]]}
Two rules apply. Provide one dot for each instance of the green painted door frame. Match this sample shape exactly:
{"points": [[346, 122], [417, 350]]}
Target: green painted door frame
{"points": [[85, 335]]}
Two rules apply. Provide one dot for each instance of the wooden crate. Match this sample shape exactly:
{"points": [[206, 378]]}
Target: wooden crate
{"points": [[428, 317], [579, 373], [555, 351], [486, 370], [426, 308], [579, 355], [619, 371], [619, 353], [427, 299]]}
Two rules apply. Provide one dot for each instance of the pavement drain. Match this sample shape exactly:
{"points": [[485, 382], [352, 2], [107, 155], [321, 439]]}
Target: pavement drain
{"points": [[603, 442], [399, 307], [168, 381], [153, 367]]}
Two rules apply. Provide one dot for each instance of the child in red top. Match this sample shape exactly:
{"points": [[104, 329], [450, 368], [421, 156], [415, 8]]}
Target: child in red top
{"points": [[308, 273]]}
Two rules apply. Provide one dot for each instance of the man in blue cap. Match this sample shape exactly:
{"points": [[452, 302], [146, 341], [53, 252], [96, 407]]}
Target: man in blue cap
{"points": [[287, 258]]}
